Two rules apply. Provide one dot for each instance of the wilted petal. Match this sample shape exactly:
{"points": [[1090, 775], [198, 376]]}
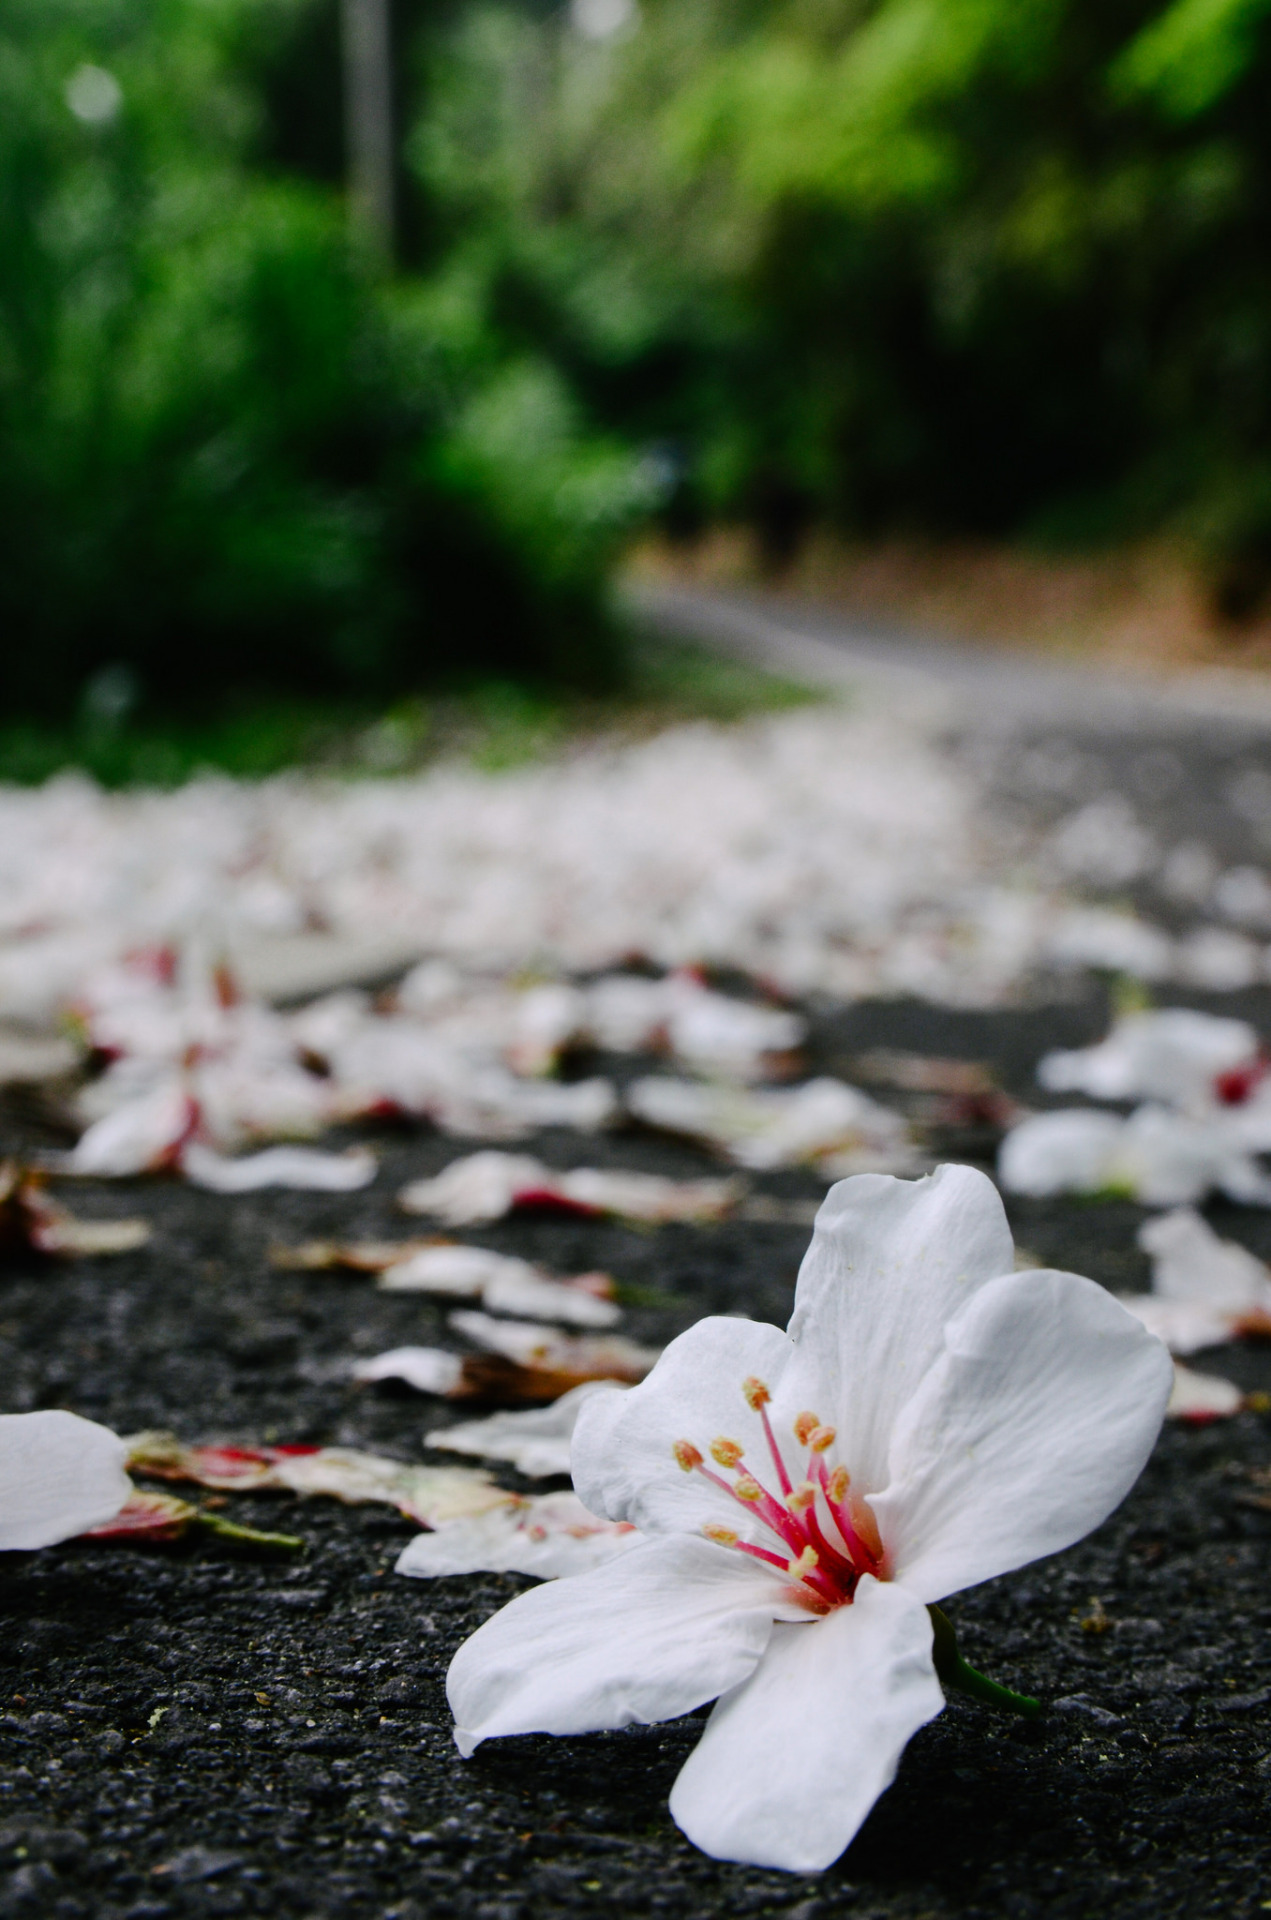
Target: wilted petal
{"points": [[669, 1625], [1031, 1427], [59, 1475], [793, 1759]]}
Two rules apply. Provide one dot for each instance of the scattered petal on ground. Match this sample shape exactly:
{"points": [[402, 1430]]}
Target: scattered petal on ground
{"points": [[1174, 1054], [305, 1169], [430, 1495], [1157, 1156], [536, 1442], [1202, 1396], [58, 1475], [1204, 1290], [824, 1124], [504, 1284], [546, 1534], [485, 1186], [31, 1221]]}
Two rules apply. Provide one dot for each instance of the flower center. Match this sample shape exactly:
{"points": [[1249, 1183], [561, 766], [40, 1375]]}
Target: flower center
{"points": [[821, 1534]]}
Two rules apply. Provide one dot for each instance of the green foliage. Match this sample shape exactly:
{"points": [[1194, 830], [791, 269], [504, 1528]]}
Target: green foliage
{"points": [[227, 457], [993, 265], [494, 723]]}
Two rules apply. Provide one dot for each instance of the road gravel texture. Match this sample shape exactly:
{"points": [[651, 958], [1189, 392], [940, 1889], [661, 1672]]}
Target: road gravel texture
{"points": [[186, 1732]]}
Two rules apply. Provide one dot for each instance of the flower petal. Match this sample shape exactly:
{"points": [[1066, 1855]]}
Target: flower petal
{"points": [[550, 1535], [622, 1459], [536, 1442], [891, 1262], [1031, 1427], [59, 1475], [793, 1759], [668, 1625]]}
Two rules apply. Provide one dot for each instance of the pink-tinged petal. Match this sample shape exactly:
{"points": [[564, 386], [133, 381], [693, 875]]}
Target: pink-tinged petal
{"points": [[667, 1626], [548, 1534], [147, 1519], [891, 1261], [1031, 1427], [59, 1475], [623, 1461], [793, 1759], [1201, 1397]]}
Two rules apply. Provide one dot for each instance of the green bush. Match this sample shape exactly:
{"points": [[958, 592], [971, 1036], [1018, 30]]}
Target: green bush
{"points": [[227, 456], [988, 265]]}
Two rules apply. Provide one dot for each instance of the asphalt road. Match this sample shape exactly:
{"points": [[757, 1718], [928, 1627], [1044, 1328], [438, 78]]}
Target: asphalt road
{"points": [[187, 1732]]}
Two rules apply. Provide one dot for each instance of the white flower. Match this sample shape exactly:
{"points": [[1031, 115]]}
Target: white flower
{"points": [[932, 1419], [59, 1475], [1157, 1156], [1174, 1054]]}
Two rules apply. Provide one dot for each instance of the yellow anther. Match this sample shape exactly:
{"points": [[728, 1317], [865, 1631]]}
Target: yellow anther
{"points": [[747, 1488], [807, 1563], [801, 1496], [726, 1453], [839, 1482], [686, 1455], [757, 1395], [823, 1437], [722, 1536], [805, 1425]]}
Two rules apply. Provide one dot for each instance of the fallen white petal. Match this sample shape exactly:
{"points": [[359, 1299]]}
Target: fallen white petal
{"points": [[536, 1442], [457, 1273], [59, 1476], [304, 1169], [550, 1535], [1202, 1396], [778, 1127], [1191, 1266], [427, 1369], [1185, 1326], [1171, 1053], [536, 1346]]}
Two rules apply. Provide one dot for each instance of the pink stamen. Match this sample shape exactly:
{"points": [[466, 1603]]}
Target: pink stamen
{"points": [[775, 1451], [856, 1547], [762, 1553], [824, 1572]]}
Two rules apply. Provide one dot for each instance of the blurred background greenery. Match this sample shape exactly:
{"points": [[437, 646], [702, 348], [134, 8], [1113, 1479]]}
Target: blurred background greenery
{"points": [[987, 267]]}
